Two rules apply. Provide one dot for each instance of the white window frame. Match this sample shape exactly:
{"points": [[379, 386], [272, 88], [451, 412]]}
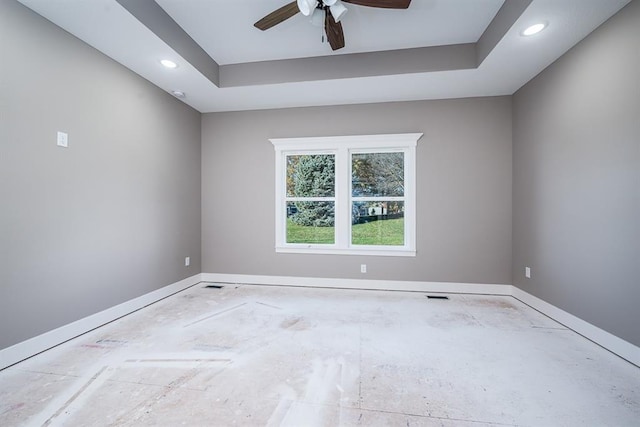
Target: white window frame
{"points": [[342, 147]]}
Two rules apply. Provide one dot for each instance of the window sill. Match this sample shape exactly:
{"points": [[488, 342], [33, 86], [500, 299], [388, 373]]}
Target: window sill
{"points": [[358, 251]]}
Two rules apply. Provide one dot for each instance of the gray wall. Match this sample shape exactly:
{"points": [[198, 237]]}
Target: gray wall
{"points": [[109, 218], [576, 179], [463, 186], [113, 216]]}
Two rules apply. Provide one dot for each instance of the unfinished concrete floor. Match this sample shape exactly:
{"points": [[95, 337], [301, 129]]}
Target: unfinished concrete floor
{"points": [[263, 355]]}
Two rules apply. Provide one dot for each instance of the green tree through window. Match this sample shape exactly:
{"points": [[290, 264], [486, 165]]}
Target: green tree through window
{"points": [[310, 198]]}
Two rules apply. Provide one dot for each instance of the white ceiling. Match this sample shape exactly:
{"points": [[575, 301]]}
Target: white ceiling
{"points": [[231, 40], [224, 29]]}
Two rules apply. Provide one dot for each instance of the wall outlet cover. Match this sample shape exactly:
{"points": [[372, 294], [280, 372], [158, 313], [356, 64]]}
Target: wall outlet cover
{"points": [[63, 139]]}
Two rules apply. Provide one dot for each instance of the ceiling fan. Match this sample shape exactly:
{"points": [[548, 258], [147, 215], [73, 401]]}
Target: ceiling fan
{"points": [[329, 11]]}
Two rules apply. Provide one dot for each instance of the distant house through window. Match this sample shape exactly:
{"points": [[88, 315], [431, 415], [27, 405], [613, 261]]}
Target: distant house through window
{"points": [[346, 195]]}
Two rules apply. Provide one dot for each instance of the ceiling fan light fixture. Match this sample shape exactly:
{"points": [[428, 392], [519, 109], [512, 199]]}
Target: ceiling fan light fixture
{"points": [[338, 10], [307, 6], [317, 17], [329, 2]]}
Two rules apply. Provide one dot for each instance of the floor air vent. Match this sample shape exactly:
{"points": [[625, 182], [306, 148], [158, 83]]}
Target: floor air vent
{"points": [[214, 286], [437, 297]]}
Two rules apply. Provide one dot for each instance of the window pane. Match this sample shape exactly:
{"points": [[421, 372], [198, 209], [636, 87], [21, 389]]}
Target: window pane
{"points": [[377, 174], [311, 175], [311, 222], [377, 223]]}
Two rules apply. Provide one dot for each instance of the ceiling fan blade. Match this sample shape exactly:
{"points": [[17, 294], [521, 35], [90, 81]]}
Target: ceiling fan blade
{"points": [[334, 32], [277, 16], [386, 4]]}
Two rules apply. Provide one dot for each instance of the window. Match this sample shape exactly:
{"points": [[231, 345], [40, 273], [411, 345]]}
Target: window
{"points": [[346, 195]]}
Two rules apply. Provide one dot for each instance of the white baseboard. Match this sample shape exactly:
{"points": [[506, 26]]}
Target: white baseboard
{"points": [[614, 344], [40, 343], [383, 285]]}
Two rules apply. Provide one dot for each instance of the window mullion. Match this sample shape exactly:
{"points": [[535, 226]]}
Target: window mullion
{"points": [[378, 198], [342, 198], [309, 199]]}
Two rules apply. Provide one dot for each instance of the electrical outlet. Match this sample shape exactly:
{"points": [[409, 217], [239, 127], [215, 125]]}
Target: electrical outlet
{"points": [[63, 139], [527, 272], [187, 261], [363, 268]]}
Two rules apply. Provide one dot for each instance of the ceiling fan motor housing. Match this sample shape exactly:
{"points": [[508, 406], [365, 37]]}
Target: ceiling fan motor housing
{"points": [[307, 6]]}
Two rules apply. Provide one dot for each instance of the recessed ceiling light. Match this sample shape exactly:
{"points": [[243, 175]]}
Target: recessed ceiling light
{"points": [[168, 63], [534, 29], [178, 94]]}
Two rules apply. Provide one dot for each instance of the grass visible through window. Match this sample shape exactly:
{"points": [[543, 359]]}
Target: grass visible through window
{"points": [[383, 232], [388, 232], [308, 234]]}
